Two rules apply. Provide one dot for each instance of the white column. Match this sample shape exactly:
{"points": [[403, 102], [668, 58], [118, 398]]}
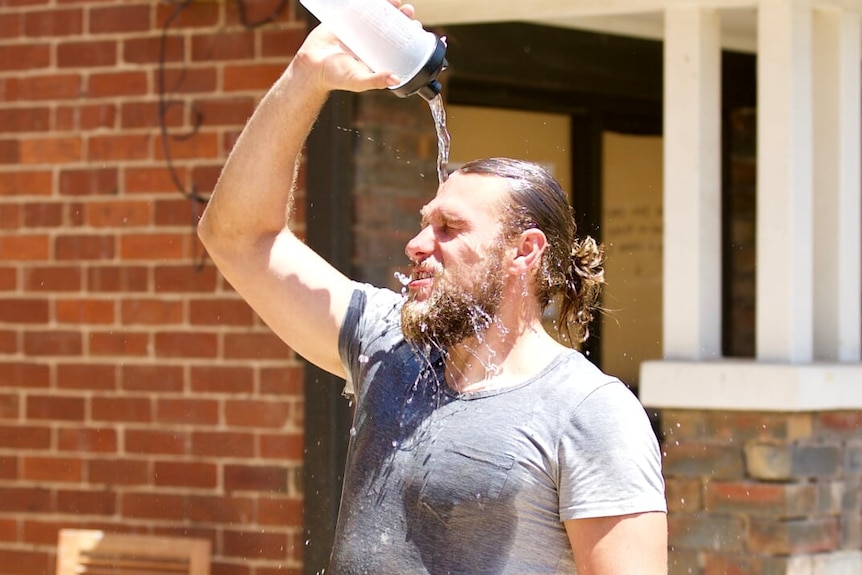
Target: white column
{"points": [[692, 184], [784, 183], [837, 209]]}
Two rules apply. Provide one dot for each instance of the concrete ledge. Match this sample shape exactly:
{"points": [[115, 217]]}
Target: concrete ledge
{"points": [[750, 386]]}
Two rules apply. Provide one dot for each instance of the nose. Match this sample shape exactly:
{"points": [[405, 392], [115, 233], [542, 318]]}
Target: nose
{"points": [[421, 246]]}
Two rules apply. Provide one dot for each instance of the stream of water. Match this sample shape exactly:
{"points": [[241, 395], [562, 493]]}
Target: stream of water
{"points": [[438, 112]]}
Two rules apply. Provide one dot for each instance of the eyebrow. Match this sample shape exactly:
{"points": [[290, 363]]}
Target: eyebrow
{"points": [[426, 215]]}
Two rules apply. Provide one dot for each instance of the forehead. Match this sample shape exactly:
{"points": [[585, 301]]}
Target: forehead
{"points": [[470, 197]]}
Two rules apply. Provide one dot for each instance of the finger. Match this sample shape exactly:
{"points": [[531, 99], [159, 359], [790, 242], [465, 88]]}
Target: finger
{"points": [[408, 10]]}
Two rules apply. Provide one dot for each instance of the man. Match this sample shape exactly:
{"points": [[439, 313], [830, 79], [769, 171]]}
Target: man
{"points": [[480, 444]]}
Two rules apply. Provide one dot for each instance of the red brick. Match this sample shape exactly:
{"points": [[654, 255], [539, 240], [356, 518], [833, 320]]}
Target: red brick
{"points": [[251, 76], [30, 311], [186, 344], [255, 544], [43, 215], [10, 216], [149, 441], [55, 407], [255, 478], [109, 84], [87, 376], [26, 562], [84, 247], [52, 279], [25, 247], [8, 279], [148, 377], [257, 413], [703, 460], [259, 14], [125, 18], [85, 182], [17, 120], [85, 311], [8, 341], [197, 147], [125, 278], [186, 474], [226, 111], [282, 446], [150, 180], [195, 15], [56, 342], [154, 246], [59, 150], [206, 177], [185, 278], [121, 409], [148, 50], [153, 506], [223, 444], [87, 440], [38, 183], [24, 56], [281, 42], [49, 87], [8, 527], [43, 532], [11, 25], [793, 537], [151, 312], [234, 312], [118, 471], [222, 509], [146, 115], [254, 346], [119, 343], [25, 437], [54, 22], [87, 502], [86, 117], [9, 405], [185, 80], [281, 511], [118, 214], [16, 374], [187, 411], [86, 54], [52, 469], [286, 380], [178, 211], [119, 147], [222, 379]]}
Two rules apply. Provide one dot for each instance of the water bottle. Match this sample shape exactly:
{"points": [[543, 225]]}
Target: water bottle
{"points": [[386, 40]]}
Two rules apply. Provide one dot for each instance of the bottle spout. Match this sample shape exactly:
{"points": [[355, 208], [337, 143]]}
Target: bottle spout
{"points": [[425, 81]]}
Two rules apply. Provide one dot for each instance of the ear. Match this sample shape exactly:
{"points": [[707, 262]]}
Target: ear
{"points": [[529, 246]]}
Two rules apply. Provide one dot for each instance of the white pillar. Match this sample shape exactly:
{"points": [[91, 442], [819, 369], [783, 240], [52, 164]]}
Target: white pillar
{"points": [[784, 183], [692, 184], [837, 209]]}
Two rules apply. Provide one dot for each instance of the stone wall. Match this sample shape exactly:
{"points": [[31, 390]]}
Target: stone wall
{"points": [[755, 493]]}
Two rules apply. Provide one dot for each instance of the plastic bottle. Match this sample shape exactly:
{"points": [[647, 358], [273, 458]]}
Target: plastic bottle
{"points": [[386, 40]]}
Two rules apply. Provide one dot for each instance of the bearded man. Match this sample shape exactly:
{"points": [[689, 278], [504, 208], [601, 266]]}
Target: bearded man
{"points": [[479, 444]]}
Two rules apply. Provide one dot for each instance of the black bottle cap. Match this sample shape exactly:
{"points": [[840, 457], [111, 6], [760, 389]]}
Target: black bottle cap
{"points": [[425, 81]]}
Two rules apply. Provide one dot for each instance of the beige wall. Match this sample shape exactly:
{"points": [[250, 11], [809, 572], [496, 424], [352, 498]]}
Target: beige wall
{"points": [[632, 234], [489, 132]]}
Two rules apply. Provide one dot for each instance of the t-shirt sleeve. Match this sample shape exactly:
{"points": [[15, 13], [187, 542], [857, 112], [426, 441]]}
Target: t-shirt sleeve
{"points": [[609, 460], [370, 312]]}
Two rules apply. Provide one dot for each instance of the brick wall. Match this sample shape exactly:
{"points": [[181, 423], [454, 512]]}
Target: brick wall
{"points": [[137, 391], [764, 493]]}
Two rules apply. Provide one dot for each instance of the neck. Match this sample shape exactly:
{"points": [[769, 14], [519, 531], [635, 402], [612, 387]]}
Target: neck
{"points": [[500, 357]]}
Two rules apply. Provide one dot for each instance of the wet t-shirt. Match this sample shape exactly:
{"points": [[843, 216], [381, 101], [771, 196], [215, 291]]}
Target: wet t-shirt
{"points": [[444, 483]]}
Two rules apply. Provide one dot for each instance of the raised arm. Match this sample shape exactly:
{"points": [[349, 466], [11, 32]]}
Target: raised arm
{"points": [[245, 226]]}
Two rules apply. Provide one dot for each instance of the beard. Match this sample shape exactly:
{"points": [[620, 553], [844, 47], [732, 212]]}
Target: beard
{"points": [[452, 312]]}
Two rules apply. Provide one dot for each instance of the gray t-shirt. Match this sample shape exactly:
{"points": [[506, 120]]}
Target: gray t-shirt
{"points": [[441, 483]]}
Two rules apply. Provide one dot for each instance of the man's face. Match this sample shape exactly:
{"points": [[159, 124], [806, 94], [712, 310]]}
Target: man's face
{"points": [[458, 277]]}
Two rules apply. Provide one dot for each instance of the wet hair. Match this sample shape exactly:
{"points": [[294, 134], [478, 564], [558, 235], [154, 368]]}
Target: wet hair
{"points": [[571, 272]]}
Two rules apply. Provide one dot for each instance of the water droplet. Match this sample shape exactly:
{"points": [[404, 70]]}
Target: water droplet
{"points": [[402, 278], [363, 359], [352, 432], [394, 443]]}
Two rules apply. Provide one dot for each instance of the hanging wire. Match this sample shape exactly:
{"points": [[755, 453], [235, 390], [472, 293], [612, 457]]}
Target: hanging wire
{"points": [[196, 200]]}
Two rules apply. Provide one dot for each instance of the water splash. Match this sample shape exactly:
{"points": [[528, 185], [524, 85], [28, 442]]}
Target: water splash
{"points": [[438, 112]]}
